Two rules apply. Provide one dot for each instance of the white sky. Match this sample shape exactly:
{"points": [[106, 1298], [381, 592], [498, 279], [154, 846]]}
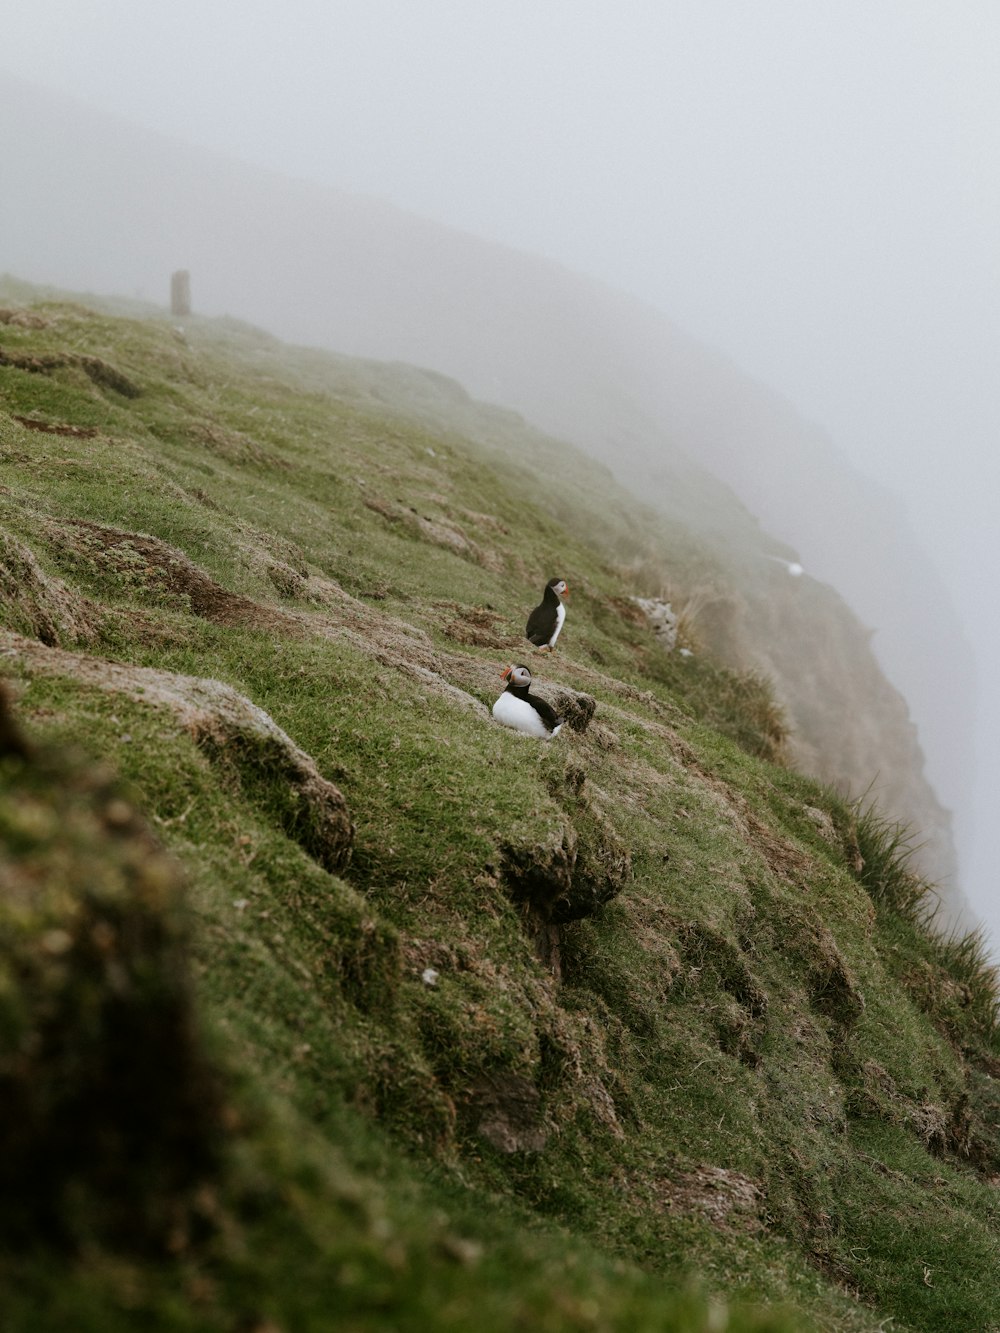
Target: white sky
{"points": [[811, 185]]}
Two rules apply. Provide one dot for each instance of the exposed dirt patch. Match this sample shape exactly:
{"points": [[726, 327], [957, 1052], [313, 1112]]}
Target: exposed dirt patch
{"points": [[106, 376], [507, 1108], [40, 605], [56, 427], [727, 1199], [100, 372], [35, 365], [478, 626]]}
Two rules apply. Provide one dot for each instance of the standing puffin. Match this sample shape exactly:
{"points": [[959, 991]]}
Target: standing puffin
{"points": [[546, 620], [518, 709]]}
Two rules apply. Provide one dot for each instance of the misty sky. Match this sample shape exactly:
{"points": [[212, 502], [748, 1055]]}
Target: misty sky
{"points": [[812, 186]]}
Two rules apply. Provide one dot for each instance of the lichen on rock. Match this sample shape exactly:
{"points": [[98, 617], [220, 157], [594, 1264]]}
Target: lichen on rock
{"points": [[662, 620]]}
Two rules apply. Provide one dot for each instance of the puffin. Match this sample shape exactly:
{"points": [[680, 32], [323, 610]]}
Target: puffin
{"points": [[546, 620], [518, 709]]}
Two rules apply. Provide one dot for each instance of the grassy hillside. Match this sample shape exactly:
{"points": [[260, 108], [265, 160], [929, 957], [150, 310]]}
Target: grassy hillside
{"points": [[417, 1023]]}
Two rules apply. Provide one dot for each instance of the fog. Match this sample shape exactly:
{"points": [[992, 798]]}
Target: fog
{"points": [[809, 188]]}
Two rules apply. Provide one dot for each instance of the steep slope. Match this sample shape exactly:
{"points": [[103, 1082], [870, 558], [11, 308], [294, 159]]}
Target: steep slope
{"points": [[583, 362], [480, 1032]]}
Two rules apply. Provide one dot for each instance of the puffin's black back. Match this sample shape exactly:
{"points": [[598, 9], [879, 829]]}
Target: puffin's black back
{"points": [[545, 711], [542, 620]]}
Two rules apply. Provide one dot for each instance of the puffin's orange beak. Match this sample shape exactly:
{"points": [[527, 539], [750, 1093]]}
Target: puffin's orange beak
{"points": [[505, 673], [566, 593]]}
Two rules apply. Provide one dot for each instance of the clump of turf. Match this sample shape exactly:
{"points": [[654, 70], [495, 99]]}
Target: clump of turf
{"points": [[111, 1114]]}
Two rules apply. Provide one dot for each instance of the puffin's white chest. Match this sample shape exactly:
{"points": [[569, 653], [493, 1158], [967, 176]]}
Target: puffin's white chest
{"points": [[560, 617], [519, 714]]}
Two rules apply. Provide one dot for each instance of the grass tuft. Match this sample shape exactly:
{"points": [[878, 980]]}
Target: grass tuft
{"points": [[887, 847]]}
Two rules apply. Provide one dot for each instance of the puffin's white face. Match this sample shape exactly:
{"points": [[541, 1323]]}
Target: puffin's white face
{"points": [[560, 586], [518, 675]]}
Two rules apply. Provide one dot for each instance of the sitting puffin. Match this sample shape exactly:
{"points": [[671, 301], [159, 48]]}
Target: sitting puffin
{"points": [[518, 709], [546, 620]]}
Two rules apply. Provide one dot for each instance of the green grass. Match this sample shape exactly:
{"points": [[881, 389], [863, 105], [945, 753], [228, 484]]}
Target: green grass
{"points": [[752, 1091]]}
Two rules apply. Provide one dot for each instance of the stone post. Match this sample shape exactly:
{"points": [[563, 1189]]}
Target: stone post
{"points": [[180, 292]]}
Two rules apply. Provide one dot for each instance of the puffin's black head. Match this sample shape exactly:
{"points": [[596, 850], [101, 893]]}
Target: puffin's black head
{"points": [[559, 586], [518, 675]]}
